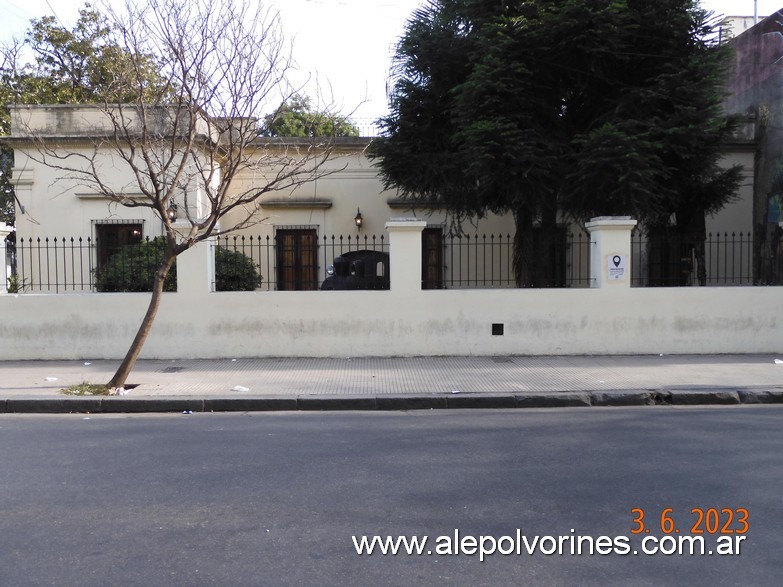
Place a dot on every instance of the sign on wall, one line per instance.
(617, 266)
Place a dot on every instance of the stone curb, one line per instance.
(250, 404)
(698, 398)
(553, 400)
(117, 405)
(761, 397)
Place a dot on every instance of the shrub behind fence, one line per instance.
(265, 253)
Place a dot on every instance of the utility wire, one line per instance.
(54, 13)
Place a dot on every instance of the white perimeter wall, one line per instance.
(352, 324)
(404, 321)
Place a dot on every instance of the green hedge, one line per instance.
(132, 269)
(235, 271)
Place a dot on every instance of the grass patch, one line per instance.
(85, 388)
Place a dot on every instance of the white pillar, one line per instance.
(610, 252)
(4, 232)
(405, 253)
(196, 269)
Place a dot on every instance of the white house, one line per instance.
(314, 221)
(607, 316)
(295, 233)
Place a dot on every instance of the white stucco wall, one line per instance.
(351, 183)
(58, 204)
(388, 323)
(403, 321)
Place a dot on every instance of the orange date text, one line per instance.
(698, 521)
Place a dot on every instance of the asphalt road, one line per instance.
(275, 498)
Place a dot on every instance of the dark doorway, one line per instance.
(297, 258)
(432, 258)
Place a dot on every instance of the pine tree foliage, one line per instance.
(559, 108)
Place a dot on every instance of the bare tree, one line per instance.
(186, 137)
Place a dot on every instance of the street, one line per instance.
(283, 498)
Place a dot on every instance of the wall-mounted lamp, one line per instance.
(358, 219)
(171, 211)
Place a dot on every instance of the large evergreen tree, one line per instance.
(558, 107)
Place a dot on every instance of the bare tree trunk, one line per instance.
(125, 368)
(692, 234)
(701, 260)
(176, 123)
(546, 255)
(701, 253)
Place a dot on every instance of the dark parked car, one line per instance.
(358, 270)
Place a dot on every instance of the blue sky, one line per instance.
(345, 44)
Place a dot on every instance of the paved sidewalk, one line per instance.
(397, 383)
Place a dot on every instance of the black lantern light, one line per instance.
(358, 219)
(171, 211)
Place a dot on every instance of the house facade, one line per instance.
(293, 235)
(413, 318)
(63, 225)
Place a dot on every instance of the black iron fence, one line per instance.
(473, 261)
(298, 259)
(481, 261)
(664, 258)
(295, 259)
(78, 264)
(55, 265)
